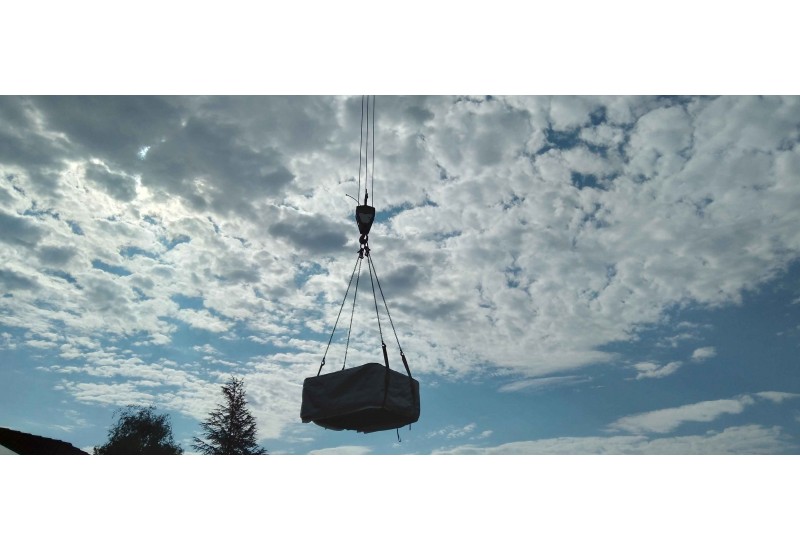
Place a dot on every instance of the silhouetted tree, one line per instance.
(140, 431)
(230, 428)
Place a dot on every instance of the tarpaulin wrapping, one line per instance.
(368, 398)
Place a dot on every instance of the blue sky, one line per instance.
(567, 274)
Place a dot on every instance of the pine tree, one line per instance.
(230, 428)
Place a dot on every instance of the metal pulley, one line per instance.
(365, 215)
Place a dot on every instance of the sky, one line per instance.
(566, 274)
(274, 170)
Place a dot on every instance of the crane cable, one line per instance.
(360, 147)
(366, 155)
(373, 151)
(363, 155)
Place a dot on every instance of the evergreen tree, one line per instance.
(140, 431)
(230, 428)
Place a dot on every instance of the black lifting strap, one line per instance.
(377, 315)
(352, 311)
(402, 355)
(322, 364)
(383, 345)
(380, 331)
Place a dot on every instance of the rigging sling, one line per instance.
(371, 397)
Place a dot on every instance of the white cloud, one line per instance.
(570, 111)
(777, 396)
(604, 135)
(652, 370)
(701, 354)
(540, 383)
(452, 432)
(75, 421)
(107, 394)
(749, 439)
(658, 143)
(202, 319)
(42, 344)
(274, 391)
(666, 420)
(7, 341)
(206, 348)
(675, 340)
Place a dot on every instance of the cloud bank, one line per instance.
(522, 234)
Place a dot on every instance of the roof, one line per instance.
(22, 443)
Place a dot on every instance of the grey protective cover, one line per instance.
(368, 398)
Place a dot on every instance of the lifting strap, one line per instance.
(365, 251)
(385, 305)
(352, 311)
(322, 364)
(364, 217)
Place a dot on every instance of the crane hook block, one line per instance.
(365, 215)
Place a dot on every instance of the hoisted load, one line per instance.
(370, 397)
(367, 398)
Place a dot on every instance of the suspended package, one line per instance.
(368, 398)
